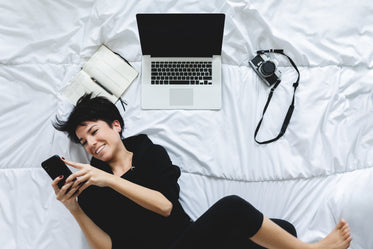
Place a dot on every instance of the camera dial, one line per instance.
(267, 68)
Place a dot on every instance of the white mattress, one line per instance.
(319, 172)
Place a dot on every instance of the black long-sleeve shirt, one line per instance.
(129, 225)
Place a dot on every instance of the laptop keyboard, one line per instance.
(181, 73)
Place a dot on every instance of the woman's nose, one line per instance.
(91, 141)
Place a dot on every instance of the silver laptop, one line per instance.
(181, 63)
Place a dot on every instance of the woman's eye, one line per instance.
(94, 132)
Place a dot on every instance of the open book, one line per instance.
(105, 74)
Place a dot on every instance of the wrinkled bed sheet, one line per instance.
(319, 172)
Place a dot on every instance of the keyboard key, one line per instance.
(179, 82)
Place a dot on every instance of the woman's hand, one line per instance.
(86, 176)
(67, 194)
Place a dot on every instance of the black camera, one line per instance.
(266, 69)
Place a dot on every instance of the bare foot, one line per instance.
(339, 238)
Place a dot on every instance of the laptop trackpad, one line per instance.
(181, 96)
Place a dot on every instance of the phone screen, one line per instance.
(55, 167)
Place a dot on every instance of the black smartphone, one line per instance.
(55, 167)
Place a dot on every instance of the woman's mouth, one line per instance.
(100, 149)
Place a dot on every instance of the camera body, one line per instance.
(266, 69)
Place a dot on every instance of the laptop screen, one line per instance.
(181, 35)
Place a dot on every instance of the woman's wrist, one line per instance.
(110, 180)
(76, 210)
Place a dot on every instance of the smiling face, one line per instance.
(100, 140)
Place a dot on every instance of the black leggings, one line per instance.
(229, 224)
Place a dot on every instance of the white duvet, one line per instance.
(318, 172)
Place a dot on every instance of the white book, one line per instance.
(105, 74)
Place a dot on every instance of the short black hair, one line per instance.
(88, 108)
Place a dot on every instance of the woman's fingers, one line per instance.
(83, 169)
(73, 192)
(81, 180)
(84, 185)
(64, 188)
(62, 194)
(73, 164)
(75, 175)
(55, 182)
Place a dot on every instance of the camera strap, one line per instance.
(291, 107)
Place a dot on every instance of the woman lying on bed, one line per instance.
(128, 196)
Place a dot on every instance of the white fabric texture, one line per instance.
(319, 172)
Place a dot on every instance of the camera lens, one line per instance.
(267, 68)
